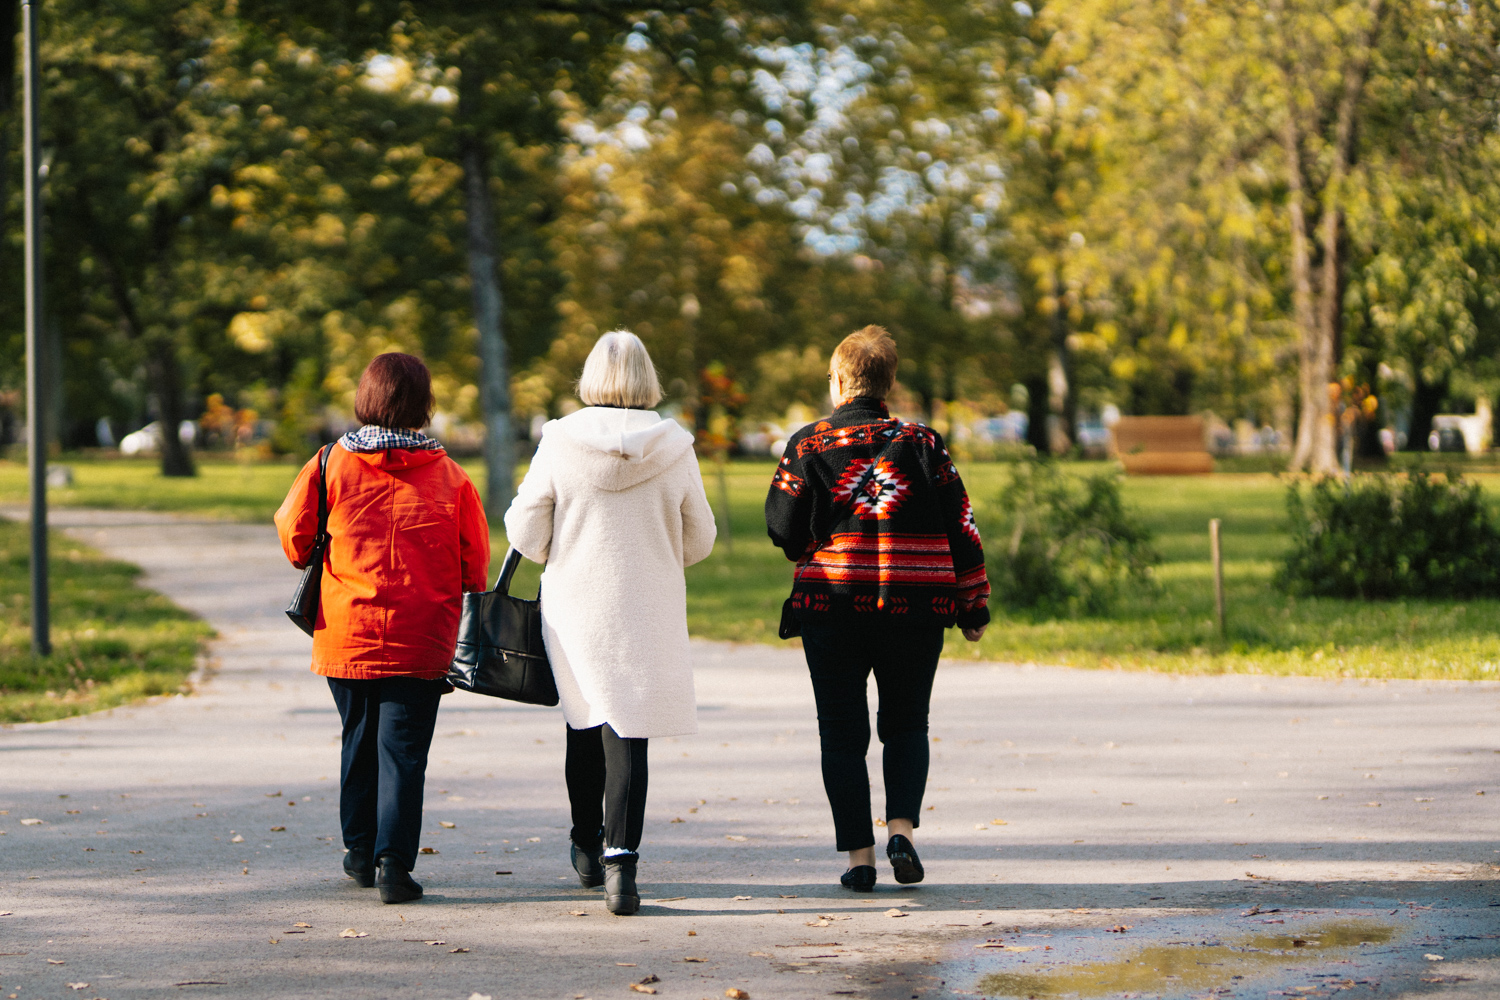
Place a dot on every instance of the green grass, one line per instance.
(113, 641)
(737, 596)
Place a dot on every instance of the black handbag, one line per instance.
(303, 611)
(500, 651)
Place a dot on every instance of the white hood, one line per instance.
(617, 449)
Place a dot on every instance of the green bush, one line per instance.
(1062, 545)
(1383, 537)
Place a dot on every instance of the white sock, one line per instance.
(615, 852)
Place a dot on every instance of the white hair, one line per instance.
(619, 372)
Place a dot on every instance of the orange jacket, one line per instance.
(408, 538)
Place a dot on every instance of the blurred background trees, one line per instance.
(1059, 209)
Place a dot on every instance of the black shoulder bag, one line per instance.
(500, 651)
(303, 611)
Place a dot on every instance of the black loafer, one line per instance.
(589, 865)
(903, 858)
(860, 879)
(621, 896)
(395, 883)
(359, 866)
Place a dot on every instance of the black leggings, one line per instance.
(606, 776)
(840, 658)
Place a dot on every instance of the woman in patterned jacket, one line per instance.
(875, 516)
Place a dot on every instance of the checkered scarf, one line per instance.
(371, 437)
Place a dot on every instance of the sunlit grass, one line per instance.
(737, 596)
(113, 641)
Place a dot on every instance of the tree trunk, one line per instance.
(1314, 446)
(1062, 396)
(1426, 397)
(1036, 413)
(489, 303)
(165, 374)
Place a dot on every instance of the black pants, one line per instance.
(840, 657)
(606, 776)
(387, 730)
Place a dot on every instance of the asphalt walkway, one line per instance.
(190, 845)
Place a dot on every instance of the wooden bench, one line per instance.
(1161, 446)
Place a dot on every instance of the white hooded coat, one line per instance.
(614, 505)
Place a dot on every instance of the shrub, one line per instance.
(1381, 537)
(1063, 545)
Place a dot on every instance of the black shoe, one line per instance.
(359, 867)
(589, 865)
(395, 882)
(903, 858)
(620, 894)
(860, 879)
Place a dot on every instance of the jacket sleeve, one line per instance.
(297, 519)
(473, 539)
(528, 523)
(698, 528)
(973, 594)
(789, 506)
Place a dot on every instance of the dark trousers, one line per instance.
(387, 730)
(606, 776)
(840, 657)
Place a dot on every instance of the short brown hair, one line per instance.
(866, 363)
(395, 391)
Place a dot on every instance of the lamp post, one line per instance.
(36, 437)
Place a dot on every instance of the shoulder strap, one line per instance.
(323, 493)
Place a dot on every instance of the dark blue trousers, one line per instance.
(841, 655)
(387, 730)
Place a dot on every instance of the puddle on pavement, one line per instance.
(1305, 952)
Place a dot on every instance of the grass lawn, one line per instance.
(113, 641)
(737, 595)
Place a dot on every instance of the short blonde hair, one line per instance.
(619, 372)
(866, 363)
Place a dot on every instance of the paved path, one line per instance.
(161, 859)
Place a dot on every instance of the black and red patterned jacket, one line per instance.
(876, 518)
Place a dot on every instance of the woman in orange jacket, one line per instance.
(407, 538)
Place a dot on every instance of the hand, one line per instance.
(974, 634)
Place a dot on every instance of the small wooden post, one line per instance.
(1218, 560)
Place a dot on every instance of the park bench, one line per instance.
(1161, 446)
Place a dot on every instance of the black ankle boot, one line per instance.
(395, 882)
(860, 878)
(904, 860)
(359, 866)
(588, 864)
(620, 893)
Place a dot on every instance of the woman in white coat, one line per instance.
(614, 505)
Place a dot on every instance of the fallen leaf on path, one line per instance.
(998, 822)
(1230, 802)
(893, 912)
(678, 819)
(447, 825)
(505, 873)
(578, 913)
(880, 822)
(428, 850)
(480, 996)
(833, 916)
(742, 898)
(55, 961)
(274, 940)
(237, 839)
(734, 994)
(652, 978)
(980, 826)
(692, 933)
(137, 852)
(642, 989)
(278, 829)
(1372, 805)
(1433, 958)
(693, 958)
(533, 840)
(273, 795)
(458, 951)
(626, 965)
(1117, 929)
(1081, 910)
(74, 812)
(301, 923)
(78, 986)
(31, 822)
(818, 923)
(1422, 798)
(7, 913)
(737, 838)
(350, 932)
(786, 897)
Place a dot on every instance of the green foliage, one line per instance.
(113, 641)
(1061, 545)
(1383, 537)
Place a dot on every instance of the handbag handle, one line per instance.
(508, 569)
(322, 538)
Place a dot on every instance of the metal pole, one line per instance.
(36, 412)
(1218, 559)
